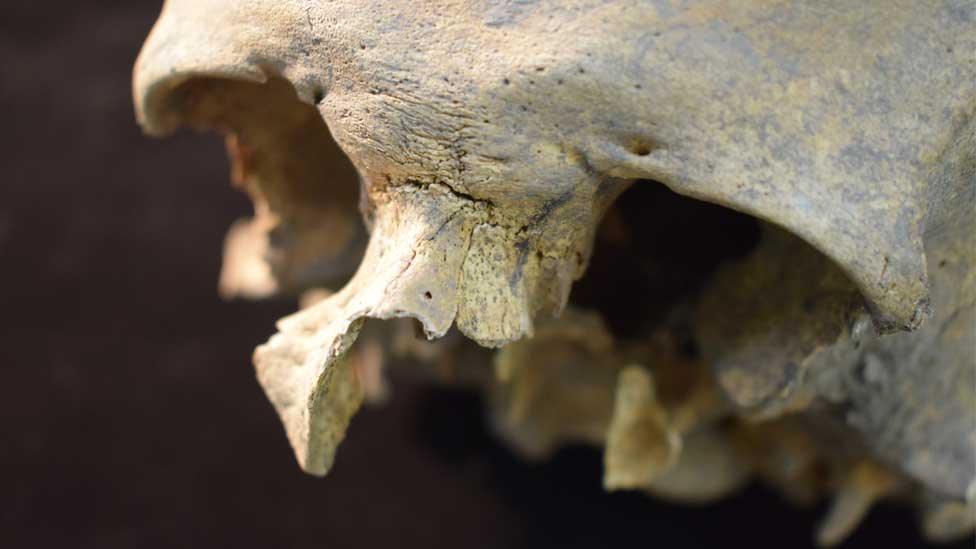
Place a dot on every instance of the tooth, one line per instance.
(866, 483)
(641, 444)
(709, 468)
(557, 386)
(783, 454)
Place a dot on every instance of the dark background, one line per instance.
(129, 412)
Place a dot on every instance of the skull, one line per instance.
(489, 138)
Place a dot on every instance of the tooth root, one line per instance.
(866, 484)
(640, 442)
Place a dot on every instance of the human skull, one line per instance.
(490, 137)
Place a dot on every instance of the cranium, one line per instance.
(490, 137)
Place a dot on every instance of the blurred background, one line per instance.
(129, 412)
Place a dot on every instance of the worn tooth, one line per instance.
(709, 468)
(557, 386)
(865, 484)
(641, 443)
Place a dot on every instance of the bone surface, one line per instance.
(459, 164)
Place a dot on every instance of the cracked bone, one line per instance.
(486, 153)
(760, 124)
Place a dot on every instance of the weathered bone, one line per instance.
(488, 139)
